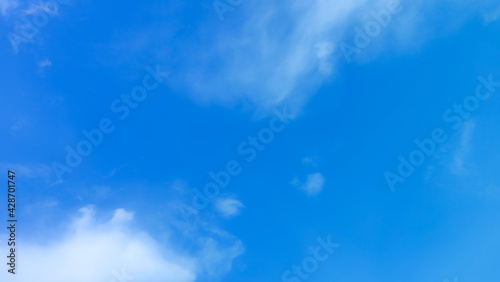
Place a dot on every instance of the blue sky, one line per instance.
(252, 140)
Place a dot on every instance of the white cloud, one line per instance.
(311, 161)
(216, 259)
(20, 123)
(49, 7)
(461, 154)
(26, 28)
(92, 250)
(324, 51)
(33, 170)
(314, 184)
(229, 207)
(269, 52)
(266, 63)
(6, 5)
(42, 65)
(122, 216)
(45, 63)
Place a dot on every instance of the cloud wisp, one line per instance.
(312, 186)
(229, 207)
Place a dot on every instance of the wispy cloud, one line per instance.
(313, 184)
(28, 20)
(42, 65)
(324, 53)
(115, 170)
(275, 53)
(492, 15)
(48, 7)
(32, 170)
(460, 156)
(229, 207)
(20, 123)
(216, 259)
(45, 63)
(121, 216)
(312, 160)
(6, 5)
(266, 63)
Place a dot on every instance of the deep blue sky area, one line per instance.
(251, 140)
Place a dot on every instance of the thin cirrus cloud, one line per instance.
(269, 53)
(277, 52)
(112, 251)
(274, 54)
(455, 156)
